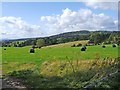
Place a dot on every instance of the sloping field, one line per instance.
(59, 66)
(69, 44)
(74, 53)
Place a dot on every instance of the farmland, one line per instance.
(60, 45)
(69, 63)
(12, 54)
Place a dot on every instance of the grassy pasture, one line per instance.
(57, 53)
(13, 57)
(59, 65)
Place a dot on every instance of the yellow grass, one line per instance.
(16, 66)
(69, 44)
(61, 68)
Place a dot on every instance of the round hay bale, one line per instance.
(32, 50)
(113, 45)
(103, 46)
(39, 47)
(83, 48)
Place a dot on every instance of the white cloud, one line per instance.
(83, 19)
(102, 5)
(15, 27)
(78, 20)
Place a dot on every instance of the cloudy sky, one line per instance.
(39, 19)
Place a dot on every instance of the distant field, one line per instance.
(69, 44)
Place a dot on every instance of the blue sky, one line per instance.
(32, 11)
(34, 19)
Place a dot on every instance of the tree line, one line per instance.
(95, 37)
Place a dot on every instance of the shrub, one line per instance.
(9, 46)
(107, 42)
(86, 44)
(21, 73)
(79, 45)
(73, 45)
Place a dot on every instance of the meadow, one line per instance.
(59, 65)
(57, 53)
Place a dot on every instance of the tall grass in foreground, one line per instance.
(66, 74)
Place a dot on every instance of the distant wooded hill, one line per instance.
(95, 37)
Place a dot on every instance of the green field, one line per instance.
(59, 66)
(22, 54)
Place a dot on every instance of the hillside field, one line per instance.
(59, 66)
(19, 54)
